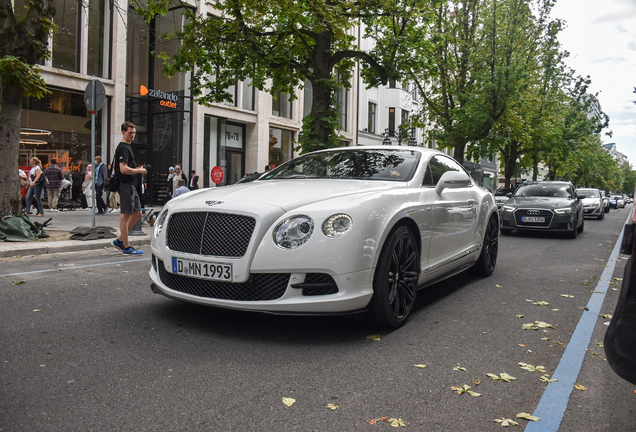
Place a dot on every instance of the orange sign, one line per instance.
(168, 100)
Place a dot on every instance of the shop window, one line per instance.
(281, 105)
(280, 146)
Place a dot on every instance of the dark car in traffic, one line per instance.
(544, 206)
(620, 338)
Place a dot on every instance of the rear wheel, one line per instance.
(487, 260)
(395, 279)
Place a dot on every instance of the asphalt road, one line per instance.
(88, 347)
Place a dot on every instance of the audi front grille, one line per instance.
(209, 233)
(546, 214)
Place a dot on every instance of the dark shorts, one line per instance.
(128, 199)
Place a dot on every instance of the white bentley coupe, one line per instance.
(334, 231)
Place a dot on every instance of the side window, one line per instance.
(428, 177)
(440, 164)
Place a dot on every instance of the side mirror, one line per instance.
(580, 196)
(452, 180)
(509, 194)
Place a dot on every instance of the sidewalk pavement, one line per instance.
(60, 226)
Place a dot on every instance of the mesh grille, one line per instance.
(265, 286)
(207, 233)
(547, 214)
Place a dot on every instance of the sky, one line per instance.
(600, 36)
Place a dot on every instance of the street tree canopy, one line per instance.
(293, 43)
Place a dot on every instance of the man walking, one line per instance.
(100, 177)
(55, 176)
(127, 172)
(194, 180)
(181, 189)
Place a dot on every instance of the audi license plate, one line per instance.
(204, 270)
(534, 219)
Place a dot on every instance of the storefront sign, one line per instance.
(216, 175)
(233, 136)
(168, 100)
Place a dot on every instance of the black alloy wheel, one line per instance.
(396, 279)
(575, 231)
(485, 264)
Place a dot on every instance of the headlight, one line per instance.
(564, 210)
(293, 232)
(337, 225)
(508, 208)
(159, 223)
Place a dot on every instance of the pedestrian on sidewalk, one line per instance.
(194, 180)
(55, 176)
(181, 189)
(101, 172)
(87, 188)
(36, 186)
(127, 172)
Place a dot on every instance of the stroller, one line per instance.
(65, 202)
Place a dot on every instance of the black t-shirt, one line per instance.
(124, 153)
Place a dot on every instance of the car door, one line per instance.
(454, 216)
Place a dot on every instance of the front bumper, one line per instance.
(512, 220)
(594, 211)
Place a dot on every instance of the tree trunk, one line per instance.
(11, 100)
(510, 162)
(459, 149)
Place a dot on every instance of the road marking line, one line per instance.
(556, 397)
(75, 267)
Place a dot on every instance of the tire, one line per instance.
(487, 260)
(601, 216)
(575, 231)
(580, 229)
(607, 209)
(395, 279)
(505, 231)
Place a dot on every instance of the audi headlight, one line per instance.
(564, 210)
(293, 232)
(507, 208)
(337, 225)
(161, 220)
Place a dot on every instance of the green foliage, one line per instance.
(15, 72)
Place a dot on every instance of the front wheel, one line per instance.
(582, 226)
(487, 260)
(601, 216)
(395, 279)
(572, 234)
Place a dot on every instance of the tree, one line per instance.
(482, 50)
(23, 42)
(290, 42)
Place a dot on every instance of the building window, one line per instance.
(232, 91)
(392, 121)
(98, 57)
(342, 100)
(372, 114)
(281, 105)
(248, 95)
(280, 146)
(307, 98)
(414, 92)
(66, 40)
(405, 117)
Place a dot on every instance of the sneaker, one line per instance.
(118, 244)
(51, 210)
(57, 210)
(132, 251)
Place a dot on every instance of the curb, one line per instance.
(11, 249)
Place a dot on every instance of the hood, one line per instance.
(284, 194)
(540, 202)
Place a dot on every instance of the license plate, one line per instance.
(532, 219)
(203, 270)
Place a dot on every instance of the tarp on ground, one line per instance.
(20, 229)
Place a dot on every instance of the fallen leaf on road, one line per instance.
(560, 343)
(18, 282)
(556, 310)
(498, 286)
(374, 421)
(397, 422)
(421, 366)
(528, 416)
(459, 368)
(37, 310)
(519, 316)
(567, 295)
(600, 344)
(545, 338)
(501, 377)
(579, 387)
(606, 316)
(531, 368)
(125, 271)
(541, 303)
(289, 401)
(332, 407)
(476, 381)
(584, 308)
(546, 378)
(374, 337)
(506, 422)
(521, 344)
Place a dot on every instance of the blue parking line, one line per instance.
(75, 267)
(554, 401)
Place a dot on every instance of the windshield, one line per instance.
(371, 164)
(502, 192)
(589, 193)
(544, 190)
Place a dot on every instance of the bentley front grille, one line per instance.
(259, 287)
(208, 233)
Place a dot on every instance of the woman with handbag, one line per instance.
(87, 186)
(36, 185)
